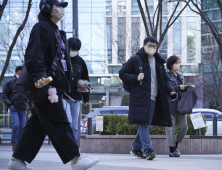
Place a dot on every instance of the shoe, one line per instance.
(18, 165)
(177, 150)
(150, 155)
(138, 154)
(84, 163)
(13, 147)
(174, 154)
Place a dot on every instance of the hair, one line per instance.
(18, 68)
(150, 39)
(171, 61)
(42, 15)
(74, 44)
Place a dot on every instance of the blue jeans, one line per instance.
(143, 134)
(18, 118)
(72, 110)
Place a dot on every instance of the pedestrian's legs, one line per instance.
(66, 105)
(75, 109)
(143, 135)
(15, 125)
(137, 144)
(170, 133)
(181, 121)
(22, 119)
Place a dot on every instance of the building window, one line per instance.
(121, 7)
(135, 35)
(108, 7)
(109, 39)
(177, 37)
(121, 40)
(114, 69)
(135, 8)
(150, 6)
(191, 42)
(164, 44)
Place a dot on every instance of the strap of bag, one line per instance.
(173, 77)
(54, 63)
(139, 61)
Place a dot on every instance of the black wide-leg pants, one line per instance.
(47, 119)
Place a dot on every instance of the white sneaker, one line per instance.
(18, 165)
(84, 163)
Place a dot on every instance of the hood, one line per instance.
(144, 56)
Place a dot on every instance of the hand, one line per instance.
(140, 76)
(192, 86)
(182, 87)
(172, 93)
(85, 103)
(41, 82)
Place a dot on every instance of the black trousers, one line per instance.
(47, 119)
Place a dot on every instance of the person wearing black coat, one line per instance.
(17, 105)
(80, 71)
(148, 103)
(178, 119)
(49, 118)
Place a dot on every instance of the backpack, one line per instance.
(128, 86)
(187, 101)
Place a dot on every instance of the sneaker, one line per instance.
(84, 163)
(174, 154)
(18, 165)
(177, 151)
(13, 147)
(150, 155)
(138, 154)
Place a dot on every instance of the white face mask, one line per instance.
(149, 51)
(74, 53)
(60, 13)
(17, 76)
(176, 67)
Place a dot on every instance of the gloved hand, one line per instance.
(52, 95)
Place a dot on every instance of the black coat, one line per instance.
(40, 53)
(11, 98)
(139, 99)
(80, 72)
(180, 81)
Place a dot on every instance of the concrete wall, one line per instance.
(122, 144)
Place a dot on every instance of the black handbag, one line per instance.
(187, 101)
(25, 85)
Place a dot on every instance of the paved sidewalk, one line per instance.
(47, 159)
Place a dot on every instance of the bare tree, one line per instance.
(202, 10)
(213, 74)
(10, 49)
(155, 23)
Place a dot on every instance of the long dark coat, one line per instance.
(139, 100)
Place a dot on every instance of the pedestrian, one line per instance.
(17, 105)
(49, 118)
(80, 72)
(147, 102)
(178, 119)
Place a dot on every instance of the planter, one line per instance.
(122, 144)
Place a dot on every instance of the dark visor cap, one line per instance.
(63, 4)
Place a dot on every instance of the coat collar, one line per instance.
(144, 56)
(179, 74)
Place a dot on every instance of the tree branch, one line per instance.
(21, 27)
(148, 14)
(2, 7)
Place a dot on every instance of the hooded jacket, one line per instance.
(140, 95)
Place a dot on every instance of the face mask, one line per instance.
(17, 76)
(61, 12)
(176, 67)
(74, 53)
(149, 51)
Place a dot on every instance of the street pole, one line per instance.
(107, 86)
(76, 35)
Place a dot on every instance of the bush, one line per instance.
(119, 125)
(125, 100)
(1, 121)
